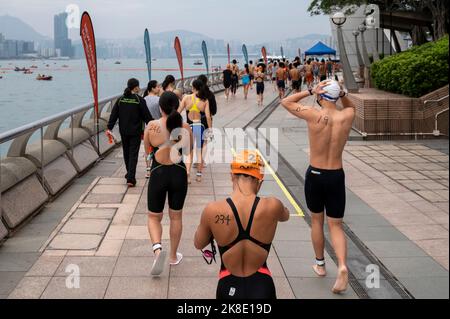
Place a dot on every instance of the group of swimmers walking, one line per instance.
(244, 225)
(249, 75)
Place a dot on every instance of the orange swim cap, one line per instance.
(250, 163)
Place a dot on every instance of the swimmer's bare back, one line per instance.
(328, 128)
(157, 135)
(245, 258)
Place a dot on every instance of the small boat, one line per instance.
(154, 60)
(44, 78)
(198, 62)
(65, 66)
(17, 69)
(118, 62)
(1, 77)
(33, 67)
(28, 72)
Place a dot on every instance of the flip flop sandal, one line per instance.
(179, 260)
(199, 177)
(160, 261)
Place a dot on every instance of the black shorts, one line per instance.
(167, 181)
(325, 192)
(259, 286)
(259, 88)
(281, 84)
(227, 84)
(296, 85)
(252, 77)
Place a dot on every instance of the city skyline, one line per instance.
(247, 22)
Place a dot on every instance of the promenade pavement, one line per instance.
(99, 226)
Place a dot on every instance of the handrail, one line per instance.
(28, 128)
(435, 101)
(436, 123)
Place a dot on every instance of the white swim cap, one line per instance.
(333, 91)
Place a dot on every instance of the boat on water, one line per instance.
(154, 60)
(198, 62)
(65, 66)
(44, 78)
(118, 62)
(1, 77)
(28, 72)
(17, 69)
(33, 67)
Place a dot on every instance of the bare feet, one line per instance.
(175, 261)
(320, 271)
(342, 281)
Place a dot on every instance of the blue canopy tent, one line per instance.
(320, 49)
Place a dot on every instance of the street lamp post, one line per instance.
(339, 19)
(358, 54)
(371, 23)
(362, 28)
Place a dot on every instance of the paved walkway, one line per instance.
(105, 235)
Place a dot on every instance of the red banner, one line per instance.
(264, 54)
(179, 56)
(229, 53)
(88, 39)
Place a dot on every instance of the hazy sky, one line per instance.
(252, 21)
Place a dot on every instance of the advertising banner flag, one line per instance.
(264, 54)
(179, 52)
(245, 51)
(205, 55)
(88, 39)
(148, 53)
(229, 53)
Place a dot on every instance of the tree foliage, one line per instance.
(415, 72)
(438, 9)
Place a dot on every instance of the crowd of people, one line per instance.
(174, 128)
(282, 73)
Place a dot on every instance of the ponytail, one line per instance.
(202, 90)
(174, 122)
(169, 104)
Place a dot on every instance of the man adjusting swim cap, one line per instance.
(332, 91)
(325, 192)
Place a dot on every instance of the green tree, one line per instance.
(438, 9)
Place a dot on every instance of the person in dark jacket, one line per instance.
(131, 111)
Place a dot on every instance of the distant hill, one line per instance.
(15, 29)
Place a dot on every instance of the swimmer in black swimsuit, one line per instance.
(165, 139)
(227, 80)
(244, 227)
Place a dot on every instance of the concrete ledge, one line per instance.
(52, 150)
(79, 136)
(89, 125)
(14, 170)
(58, 174)
(3, 230)
(84, 155)
(22, 200)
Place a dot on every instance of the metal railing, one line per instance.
(437, 132)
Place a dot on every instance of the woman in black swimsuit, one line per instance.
(167, 139)
(227, 80)
(244, 227)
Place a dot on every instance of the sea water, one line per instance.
(23, 99)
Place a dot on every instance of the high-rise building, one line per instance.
(61, 35)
